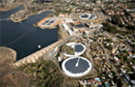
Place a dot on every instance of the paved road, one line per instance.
(88, 52)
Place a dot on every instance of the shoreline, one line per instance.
(19, 20)
(26, 16)
(9, 7)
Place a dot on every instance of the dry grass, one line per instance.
(12, 77)
(68, 49)
(71, 83)
(7, 54)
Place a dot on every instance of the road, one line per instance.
(88, 52)
(67, 28)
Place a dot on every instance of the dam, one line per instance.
(35, 56)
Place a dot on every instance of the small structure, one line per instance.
(62, 15)
(116, 59)
(98, 1)
(95, 81)
(96, 25)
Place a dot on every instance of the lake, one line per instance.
(23, 37)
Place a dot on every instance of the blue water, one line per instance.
(10, 31)
(107, 84)
(97, 79)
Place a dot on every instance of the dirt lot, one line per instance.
(10, 76)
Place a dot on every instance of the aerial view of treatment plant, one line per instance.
(67, 43)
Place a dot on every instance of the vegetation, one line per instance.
(73, 5)
(129, 26)
(30, 71)
(57, 13)
(109, 28)
(113, 29)
(70, 10)
(46, 74)
(119, 82)
(116, 20)
(67, 49)
(108, 40)
(110, 47)
(84, 55)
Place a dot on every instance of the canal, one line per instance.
(23, 37)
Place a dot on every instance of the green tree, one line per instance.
(108, 40)
(70, 10)
(110, 47)
(119, 82)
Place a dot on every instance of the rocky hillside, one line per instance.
(9, 75)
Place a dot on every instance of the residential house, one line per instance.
(116, 59)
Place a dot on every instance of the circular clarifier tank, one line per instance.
(76, 66)
(87, 16)
(79, 48)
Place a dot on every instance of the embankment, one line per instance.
(35, 56)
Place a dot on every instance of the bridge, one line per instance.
(4, 19)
